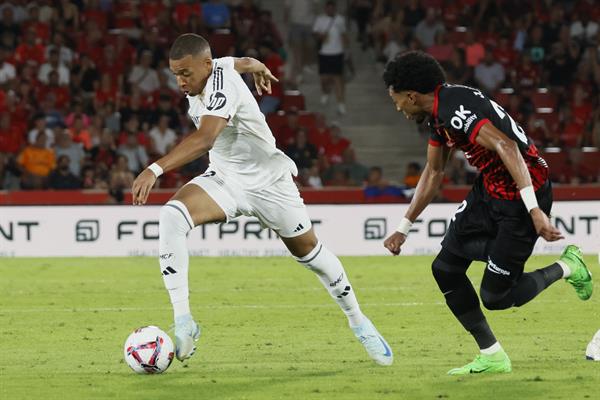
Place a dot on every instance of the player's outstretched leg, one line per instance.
(174, 224)
(580, 276)
(331, 273)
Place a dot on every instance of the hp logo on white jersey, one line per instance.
(216, 102)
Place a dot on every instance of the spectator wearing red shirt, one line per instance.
(504, 54)
(474, 50)
(269, 103)
(112, 65)
(337, 145)
(286, 134)
(42, 30)
(184, 10)
(527, 75)
(30, 51)
(107, 91)
(12, 136)
(571, 133)
(93, 12)
(320, 134)
(62, 95)
(441, 50)
(581, 108)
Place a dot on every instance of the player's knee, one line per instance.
(172, 219)
(447, 273)
(495, 301)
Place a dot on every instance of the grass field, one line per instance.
(270, 331)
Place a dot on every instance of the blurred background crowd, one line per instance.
(87, 100)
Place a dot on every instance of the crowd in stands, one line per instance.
(540, 60)
(87, 99)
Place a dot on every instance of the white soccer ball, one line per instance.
(148, 350)
(593, 348)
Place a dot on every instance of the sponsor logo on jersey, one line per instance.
(460, 116)
(216, 101)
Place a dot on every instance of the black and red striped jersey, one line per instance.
(459, 112)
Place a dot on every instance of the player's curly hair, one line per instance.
(413, 70)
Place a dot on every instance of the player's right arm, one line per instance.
(427, 188)
(193, 146)
(261, 74)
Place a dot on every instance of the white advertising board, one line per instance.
(96, 231)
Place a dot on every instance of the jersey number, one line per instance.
(517, 130)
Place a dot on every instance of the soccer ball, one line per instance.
(148, 350)
(593, 348)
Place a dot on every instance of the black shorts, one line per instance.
(486, 228)
(331, 65)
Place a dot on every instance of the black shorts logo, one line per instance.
(216, 101)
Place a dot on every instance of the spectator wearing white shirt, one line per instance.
(489, 74)
(54, 64)
(7, 70)
(143, 75)
(163, 137)
(299, 16)
(39, 126)
(330, 30)
(427, 29)
(65, 54)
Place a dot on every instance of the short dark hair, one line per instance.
(414, 70)
(186, 45)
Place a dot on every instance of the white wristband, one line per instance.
(528, 197)
(156, 169)
(404, 226)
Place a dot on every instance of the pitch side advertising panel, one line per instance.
(97, 231)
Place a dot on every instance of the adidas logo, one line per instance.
(299, 228)
(345, 292)
(169, 271)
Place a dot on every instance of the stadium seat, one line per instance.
(457, 37)
(589, 164)
(292, 99)
(276, 120)
(557, 160)
(543, 101)
(307, 119)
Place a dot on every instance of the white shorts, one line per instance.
(278, 206)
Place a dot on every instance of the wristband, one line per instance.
(156, 169)
(404, 226)
(528, 197)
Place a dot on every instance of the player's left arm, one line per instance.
(493, 139)
(261, 74)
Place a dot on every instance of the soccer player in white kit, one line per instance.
(247, 175)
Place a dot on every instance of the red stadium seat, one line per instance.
(221, 42)
(276, 120)
(558, 162)
(589, 165)
(543, 101)
(292, 99)
(307, 120)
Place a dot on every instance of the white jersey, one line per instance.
(245, 149)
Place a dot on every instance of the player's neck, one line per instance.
(203, 85)
(426, 102)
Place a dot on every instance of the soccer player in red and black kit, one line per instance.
(501, 218)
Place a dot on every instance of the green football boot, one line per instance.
(485, 364)
(581, 277)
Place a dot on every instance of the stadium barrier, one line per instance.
(98, 231)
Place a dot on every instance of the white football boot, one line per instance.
(379, 350)
(187, 332)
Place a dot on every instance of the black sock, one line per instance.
(533, 283)
(478, 327)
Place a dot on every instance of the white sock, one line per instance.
(565, 268)
(331, 273)
(492, 349)
(174, 224)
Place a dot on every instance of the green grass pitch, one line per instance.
(270, 331)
